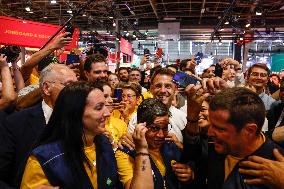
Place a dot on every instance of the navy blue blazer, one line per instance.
(18, 133)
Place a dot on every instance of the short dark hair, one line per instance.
(93, 59)
(123, 68)
(244, 107)
(276, 76)
(258, 65)
(183, 64)
(162, 71)
(134, 69)
(149, 109)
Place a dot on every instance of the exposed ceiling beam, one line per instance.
(154, 7)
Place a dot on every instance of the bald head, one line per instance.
(53, 79)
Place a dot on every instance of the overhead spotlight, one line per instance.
(69, 11)
(28, 9)
(247, 25)
(258, 13)
(110, 17)
(227, 22)
(84, 14)
(53, 2)
(113, 24)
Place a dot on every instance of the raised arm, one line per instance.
(8, 93)
(59, 42)
(142, 168)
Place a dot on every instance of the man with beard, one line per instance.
(123, 74)
(95, 68)
(258, 78)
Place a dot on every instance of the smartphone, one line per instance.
(183, 79)
(218, 70)
(69, 28)
(146, 51)
(117, 95)
(72, 58)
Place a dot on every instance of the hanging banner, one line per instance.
(27, 33)
(125, 46)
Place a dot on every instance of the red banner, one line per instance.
(125, 46)
(29, 34)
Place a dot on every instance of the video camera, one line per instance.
(12, 52)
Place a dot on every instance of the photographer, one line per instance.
(8, 93)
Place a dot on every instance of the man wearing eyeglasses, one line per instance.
(258, 78)
(20, 130)
(95, 68)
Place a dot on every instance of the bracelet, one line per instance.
(192, 121)
(141, 154)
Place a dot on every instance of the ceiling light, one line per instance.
(113, 24)
(110, 17)
(53, 1)
(227, 22)
(241, 38)
(69, 11)
(84, 14)
(45, 17)
(222, 29)
(247, 25)
(28, 9)
(258, 13)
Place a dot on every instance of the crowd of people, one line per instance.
(61, 126)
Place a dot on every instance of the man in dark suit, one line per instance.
(20, 130)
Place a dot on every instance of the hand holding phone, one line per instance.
(69, 28)
(218, 71)
(183, 80)
(117, 95)
(72, 58)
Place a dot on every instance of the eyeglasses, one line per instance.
(128, 96)
(256, 74)
(155, 129)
